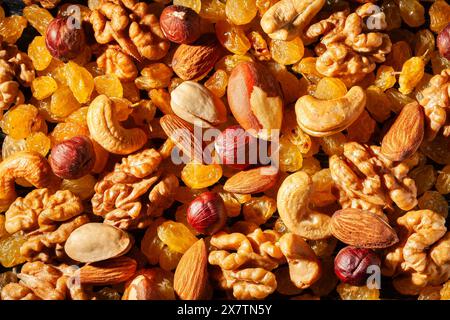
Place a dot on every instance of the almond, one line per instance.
(191, 275)
(108, 272)
(362, 229)
(192, 61)
(405, 135)
(252, 181)
(182, 134)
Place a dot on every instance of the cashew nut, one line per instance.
(30, 166)
(194, 103)
(287, 18)
(321, 118)
(304, 266)
(105, 129)
(293, 206)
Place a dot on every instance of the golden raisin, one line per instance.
(198, 176)
(176, 236)
(38, 142)
(38, 53)
(108, 85)
(43, 87)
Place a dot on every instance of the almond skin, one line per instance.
(252, 181)
(108, 272)
(191, 275)
(362, 229)
(192, 61)
(405, 135)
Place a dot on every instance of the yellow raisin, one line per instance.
(38, 17)
(38, 142)
(176, 236)
(217, 83)
(161, 99)
(168, 259)
(443, 181)
(195, 5)
(349, 292)
(228, 62)
(240, 11)
(378, 104)
(424, 44)
(439, 15)
(67, 130)
(307, 68)
(425, 177)
(259, 210)
(79, 116)
(445, 291)
(10, 146)
(232, 37)
(310, 165)
(385, 77)
(334, 144)
(38, 53)
(290, 157)
(411, 74)
(10, 250)
(19, 122)
(330, 88)
(198, 176)
(108, 85)
(80, 81)
(433, 200)
(287, 52)
(82, 187)
(11, 28)
(213, 10)
(43, 87)
(412, 12)
(63, 102)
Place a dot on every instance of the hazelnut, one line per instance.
(443, 42)
(180, 24)
(233, 145)
(351, 263)
(207, 213)
(73, 158)
(65, 38)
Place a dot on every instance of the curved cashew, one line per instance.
(287, 18)
(293, 206)
(105, 128)
(304, 266)
(27, 165)
(321, 118)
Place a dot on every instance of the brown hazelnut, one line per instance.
(233, 145)
(65, 38)
(351, 263)
(180, 24)
(207, 213)
(73, 158)
(443, 42)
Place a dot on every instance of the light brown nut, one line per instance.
(191, 275)
(105, 129)
(255, 99)
(107, 272)
(304, 266)
(96, 242)
(182, 134)
(150, 284)
(114, 61)
(293, 200)
(321, 118)
(30, 166)
(194, 103)
(250, 283)
(362, 229)
(192, 61)
(286, 19)
(405, 135)
(252, 181)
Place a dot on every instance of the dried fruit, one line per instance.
(352, 265)
(38, 142)
(180, 24)
(290, 156)
(349, 292)
(385, 78)
(259, 210)
(443, 180)
(10, 250)
(73, 158)
(207, 213)
(80, 81)
(109, 85)
(83, 187)
(11, 28)
(195, 5)
(176, 236)
(439, 15)
(38, 17)
(424, 177)
(434, 201)
(19, 122)
(232, 37)
(63, 102)
(198, 176)
(287, 52)
(412, 73)
(39, 54)
(412, 12)
(43, 87)
(330, 88)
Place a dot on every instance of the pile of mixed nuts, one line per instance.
(210, 149)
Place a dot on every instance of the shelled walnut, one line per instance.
(16, 69)
(131, 24)
(48, 219)
(350, 48)
(368, 180)
(135, 192)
